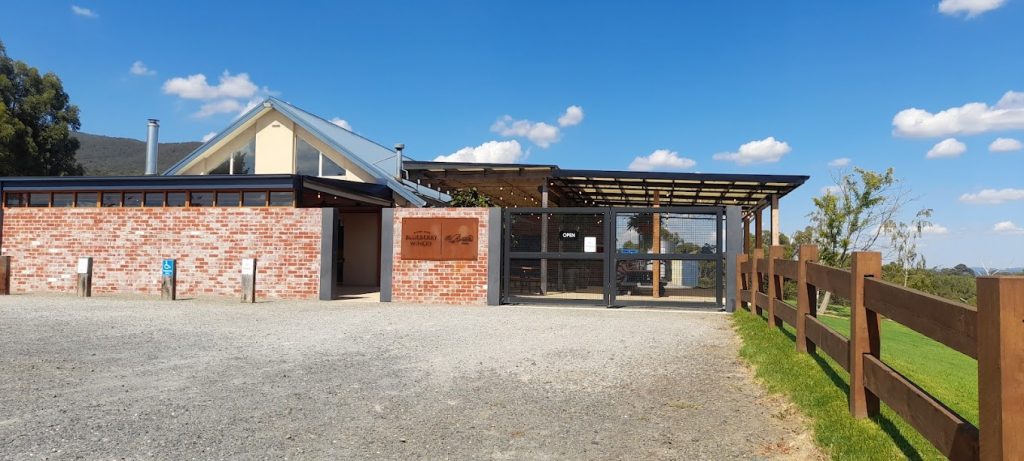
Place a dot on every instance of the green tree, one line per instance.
(853, 216)
(469, 198)
(36, 121)
(903, 242)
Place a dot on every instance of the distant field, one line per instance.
(819, 386)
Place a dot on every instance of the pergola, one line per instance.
(525, 185)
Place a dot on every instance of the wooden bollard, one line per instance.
(5, 275)
(806, 295)
(84, 270)
(1001, 367)
(249, 280)
(169, 280)
(865, 336)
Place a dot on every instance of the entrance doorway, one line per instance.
(357, 259)
(650, 257)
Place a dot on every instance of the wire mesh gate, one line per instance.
(614, 256)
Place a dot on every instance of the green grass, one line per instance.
(819, 386)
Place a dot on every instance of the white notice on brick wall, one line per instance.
(83, 265)
(590, 244)
(248, 266)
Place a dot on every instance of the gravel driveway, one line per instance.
(140, 378)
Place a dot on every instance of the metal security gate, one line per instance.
(611, 256)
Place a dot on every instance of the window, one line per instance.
(258, 198)
(329, 168)
(244, 160)
(175, 199)
(133, 199)
(39, 199)
(228, 198)
(201, 199)
(241, 161)
(111, 199)
(154, 199)
(14, 199)
(86, 199)
(281, 198)
(311, 162)
(223, 168)
(63, 199)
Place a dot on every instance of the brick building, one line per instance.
(327, 212)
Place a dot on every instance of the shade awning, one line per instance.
(519, 185)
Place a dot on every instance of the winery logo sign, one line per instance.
(440, 239)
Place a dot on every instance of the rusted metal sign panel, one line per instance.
(439, 239)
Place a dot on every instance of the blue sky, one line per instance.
(804, 83)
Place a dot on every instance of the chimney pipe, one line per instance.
(398, 158)
(151, 146)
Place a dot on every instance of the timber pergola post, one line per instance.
(758, 230)
(775, 220)
(746, 235)
(656, 247)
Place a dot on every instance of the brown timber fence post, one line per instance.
(1001, 367)
(755, 278)
(740, 283)
(775, 252)
(805, 295)
(864, 332)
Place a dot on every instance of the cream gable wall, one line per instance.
(275, 144)
(275, 149)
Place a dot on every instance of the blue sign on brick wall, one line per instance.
(168, 268)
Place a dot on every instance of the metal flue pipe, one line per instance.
(152, 140)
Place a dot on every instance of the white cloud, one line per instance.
(488, 152)
(934, 229)
(948, 147)
(767, 150)
(830, 190)
(225, 97)
(209, 136)
(84, 12)
(1008, 227)
(839, 162)
(342, 123)
(195, 87)
(1005, 145)
(573, 116)
(968, 8)
(138, 68)
(661, 159)
(970, 118)
(539, 133)
(993, 196)
(222, 106)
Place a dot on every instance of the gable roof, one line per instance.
(366, 154)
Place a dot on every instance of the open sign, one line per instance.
(569, 235)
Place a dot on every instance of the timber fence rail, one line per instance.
(992, 333)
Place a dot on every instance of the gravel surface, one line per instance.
(141, 378)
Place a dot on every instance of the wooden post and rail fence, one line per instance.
(992, 333)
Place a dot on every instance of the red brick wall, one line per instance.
(128, 244)
(447, 282)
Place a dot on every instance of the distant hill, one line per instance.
(1010, 270)
(110, 156)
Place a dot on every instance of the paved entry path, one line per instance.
(140, 378)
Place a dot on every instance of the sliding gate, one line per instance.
(614, 256)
